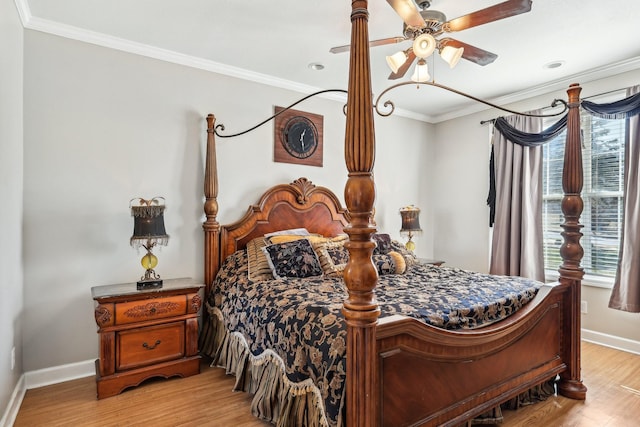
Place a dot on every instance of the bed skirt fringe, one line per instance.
(275, 398)
(282, 402)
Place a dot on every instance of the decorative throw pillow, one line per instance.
(335, 259)
(399, 261)
(321, 246)
(293, 259)
(258, 265)
(409, 256)
(383, 243)
(391, 263)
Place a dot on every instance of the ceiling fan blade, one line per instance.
(372, 43)
(471, 53)
(409, 12)
(489, 14)
(405, 67)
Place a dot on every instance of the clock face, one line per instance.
(300, 137)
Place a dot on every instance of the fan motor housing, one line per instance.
(434, 20)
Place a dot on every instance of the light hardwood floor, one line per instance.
(613, 400)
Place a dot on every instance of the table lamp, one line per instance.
(410, 224)
(148, 231)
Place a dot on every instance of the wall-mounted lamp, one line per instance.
(148, 231)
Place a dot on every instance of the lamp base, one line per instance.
(149, 284)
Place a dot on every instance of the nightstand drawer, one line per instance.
(150, 309)
(150, 345)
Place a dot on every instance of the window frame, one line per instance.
(589, 194)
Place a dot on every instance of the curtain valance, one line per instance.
(530, 139)
(622, 109)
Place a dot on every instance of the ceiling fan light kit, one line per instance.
(421, 72)
(424, 45)
(396, 60)
(451, 55)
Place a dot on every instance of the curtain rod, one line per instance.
(484, 122)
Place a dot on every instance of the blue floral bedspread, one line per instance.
(301, 319)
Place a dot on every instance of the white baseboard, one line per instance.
(612, 341)
(59, 374)
(41, 378)
(13, 407)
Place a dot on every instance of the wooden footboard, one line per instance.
(430, 376)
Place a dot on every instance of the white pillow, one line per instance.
(292, 231)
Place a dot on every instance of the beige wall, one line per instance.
(11, 284)
(103, 126)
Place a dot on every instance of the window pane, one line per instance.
(552, 239)
(605, 172)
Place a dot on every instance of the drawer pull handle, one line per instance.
(151, 347)
(153, 310)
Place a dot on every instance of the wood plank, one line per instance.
(207, 399)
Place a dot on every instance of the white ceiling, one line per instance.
(274, 41)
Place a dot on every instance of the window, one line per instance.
(603, 163)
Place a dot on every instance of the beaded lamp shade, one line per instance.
(410, 224)
(148, 231)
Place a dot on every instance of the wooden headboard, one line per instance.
(285, 206)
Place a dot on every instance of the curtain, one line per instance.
(517, 232)
(626, 289)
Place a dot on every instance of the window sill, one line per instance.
(587, 280)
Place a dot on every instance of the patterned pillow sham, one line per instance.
(293, 259)
(390, 263)
(329, 267)
(334, 259)
(258, 265)
(383, 243)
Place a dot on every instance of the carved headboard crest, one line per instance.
(303, 187)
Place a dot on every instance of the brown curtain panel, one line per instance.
(626, 288)
(516, 247)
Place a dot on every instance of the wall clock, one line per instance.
(297, 137)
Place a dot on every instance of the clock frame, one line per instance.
(288, 124)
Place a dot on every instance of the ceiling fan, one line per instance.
(423, 25)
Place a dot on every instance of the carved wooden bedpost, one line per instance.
(211, 226)
(571, 251)
(360, 309)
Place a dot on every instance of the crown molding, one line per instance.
(559, 84)
(23, 11)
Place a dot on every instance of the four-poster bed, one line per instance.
(400, 371)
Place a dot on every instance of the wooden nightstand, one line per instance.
(435, 262)
(146, 333)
